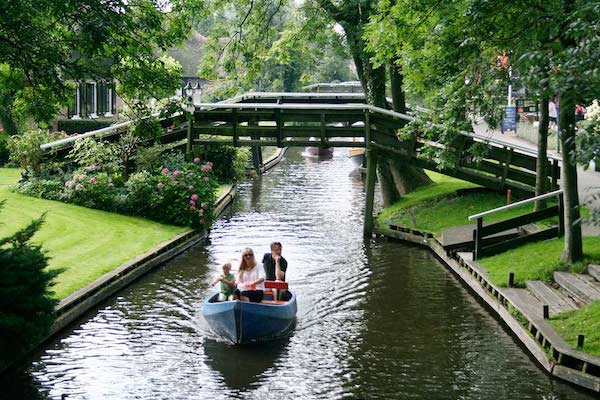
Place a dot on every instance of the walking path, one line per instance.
(588, 181)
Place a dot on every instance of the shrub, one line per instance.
(184, 197)
(26, 303)
(139, 191)
(230, 162)
(91, 189)
(4, 154)
(51, 189)
(71, 126)
(149, 158)
(103, 156)
(25, 149)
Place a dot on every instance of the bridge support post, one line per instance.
(370, 190)
(256, 150)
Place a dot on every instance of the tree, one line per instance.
(449, 50)
(26, 302)
(47, 45)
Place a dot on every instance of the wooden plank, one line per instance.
(525, 302)
(581, 289)
(519, 241)
(594, 271)
(579, 378)
(556, 301)
(519, 221)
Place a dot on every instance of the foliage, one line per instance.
(26, 303)
(184, 197)
(90, 188)
(4, 154)
(149, 158)
(229, 163)
(120, 40)
(25, 149)
(95, 155)
(72, 126)
(51, 189)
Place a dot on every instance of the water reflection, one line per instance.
(242, 366)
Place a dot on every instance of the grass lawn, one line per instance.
(537, 261)
(585, 321)
(435, 207)
(86, 243)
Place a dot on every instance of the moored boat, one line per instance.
(245, 322)
(319, 151)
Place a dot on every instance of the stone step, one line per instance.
(594, 270)
(579, 286)
(557, 302)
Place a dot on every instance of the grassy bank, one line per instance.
(87, 243)
(537, 261)
(436, 206)
(585, 321)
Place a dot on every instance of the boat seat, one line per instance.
(276, 285)
(273, 302)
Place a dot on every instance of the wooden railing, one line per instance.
(484, 246)
(336, 120)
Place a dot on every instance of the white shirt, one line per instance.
(250, 276)
(552, 112)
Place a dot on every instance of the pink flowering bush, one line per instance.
(185, 196)
(90, 189)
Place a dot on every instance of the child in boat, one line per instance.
(227, 280)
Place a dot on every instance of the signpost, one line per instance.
(509, 119)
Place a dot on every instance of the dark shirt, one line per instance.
(269, 266)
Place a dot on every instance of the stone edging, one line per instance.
(274, 160)
(541, 341)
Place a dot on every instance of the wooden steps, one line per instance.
(594, 270)
(578, 285)
(556, 301)
(525, 302)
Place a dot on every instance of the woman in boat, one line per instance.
(250, 278)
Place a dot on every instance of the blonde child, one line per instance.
(227, 280)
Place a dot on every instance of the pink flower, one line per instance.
(79, 187)
(206, 179)
(207, 167)
(192, 203)
(191, 187)
(194, 197)
(201, 212)
(192, 208)
(176, 173)
(165, 171)
(197, 160)
(160, 185)
(69, 184)
(92, 180)
(171, 179)
(91, 167)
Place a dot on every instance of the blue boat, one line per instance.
(245, 322)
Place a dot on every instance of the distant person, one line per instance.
(553, 111)
(250, 278)
(275, 266)
(579, 112)
(227, 280)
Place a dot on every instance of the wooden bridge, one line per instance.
(340, 120)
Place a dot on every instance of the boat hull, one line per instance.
(320, 151)
(244, 322)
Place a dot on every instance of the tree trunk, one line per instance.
(396, 81)
(541, 166)
(573, 247)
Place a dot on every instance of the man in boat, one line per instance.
(275, 266)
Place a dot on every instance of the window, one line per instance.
(93, 100)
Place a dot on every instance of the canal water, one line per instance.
(376, 318)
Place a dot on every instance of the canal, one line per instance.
(376, 319)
